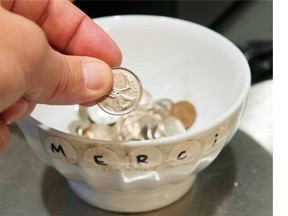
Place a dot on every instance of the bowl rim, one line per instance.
(176, 138)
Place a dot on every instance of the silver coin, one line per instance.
(83, 114)
(146, 98)
(101, 132)
(130, 128)
(165, 103)
(146, 126)
(170, 126)
(157, 112)
(98, 116)
(77, 127)
(125, 95)
(140, 125)
(150, 120)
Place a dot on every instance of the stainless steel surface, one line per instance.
(237, 183)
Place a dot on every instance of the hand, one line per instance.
(52, 53)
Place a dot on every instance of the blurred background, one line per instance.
(248, 24)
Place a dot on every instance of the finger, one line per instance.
(68, 28)
(20, 109)
(4, 136)
(46, 76)
(88, 104)
(70, 80)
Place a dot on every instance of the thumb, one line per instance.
(62, 79)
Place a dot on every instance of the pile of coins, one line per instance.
(150, 120)
(129, 113)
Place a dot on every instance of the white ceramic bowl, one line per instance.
(175, 59)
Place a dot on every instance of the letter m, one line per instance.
(57, 149)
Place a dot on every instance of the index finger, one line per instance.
(68, 28)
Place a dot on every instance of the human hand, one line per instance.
(52, 53)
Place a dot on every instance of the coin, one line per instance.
(83, 114)
(185, 112)
(98, 116)
(130, 127)
(146, 98)
(149, 120)
(77, 127)
(125, 95)
(172, 126)
(99, 131)
(165, 103)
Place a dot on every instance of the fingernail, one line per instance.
(94, 75)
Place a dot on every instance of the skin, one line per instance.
(44, 46)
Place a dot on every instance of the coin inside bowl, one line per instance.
(177, 60)
(189, 63)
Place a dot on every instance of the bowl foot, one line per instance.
(133, 200)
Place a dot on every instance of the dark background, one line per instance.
(248, 24)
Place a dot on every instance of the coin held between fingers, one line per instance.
(125, 95)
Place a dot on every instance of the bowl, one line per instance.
(174, 59)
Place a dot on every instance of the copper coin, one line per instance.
(185, 112)
(125, 95)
